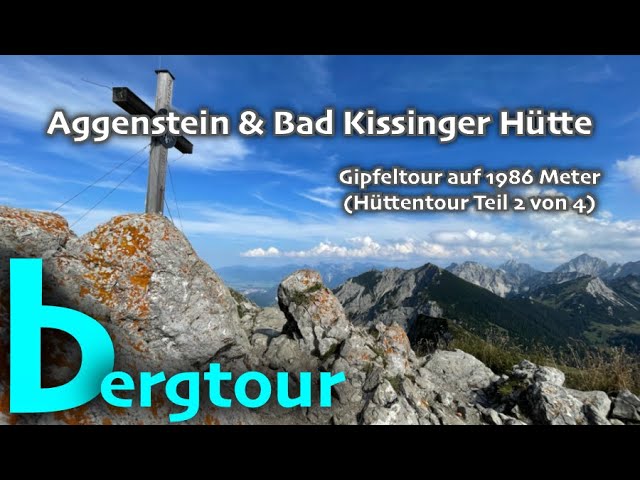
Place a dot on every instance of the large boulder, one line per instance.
(596, 405)
(459, 373)
(141, 276)
(553, 405)
(541, 392)
(626, 407)
(314, 314)
(28, 233)
(164, 308)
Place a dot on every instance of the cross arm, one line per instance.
(134, 105)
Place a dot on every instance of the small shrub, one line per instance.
(609, 369)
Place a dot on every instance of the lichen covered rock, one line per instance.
(314, 314)
(167, 310)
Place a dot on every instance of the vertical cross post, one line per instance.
(159, 153)
(131, 103)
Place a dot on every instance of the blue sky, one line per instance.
(276, 200)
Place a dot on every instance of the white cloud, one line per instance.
(540, 238)
(231, 154)
(367, 247)
(326, 196)
(631, 169)
(261, 252)
(215, 153)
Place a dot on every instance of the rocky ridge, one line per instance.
(497, 281)
(166, 309)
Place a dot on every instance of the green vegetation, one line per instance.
(240, 299)
(482, 311)
(586, 368)
(513, 385)
(302, 298)
(331, 351)
(396, 383)
(574, 298)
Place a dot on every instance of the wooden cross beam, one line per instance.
(131, 103)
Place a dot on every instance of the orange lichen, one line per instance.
(4, 408)
(4, 402)
(84, 291)
(156, 403)
(107, 421)
(48, 222)
(210, 420)
(141, 280)
(120, 239)
(75, 416)
(139, 346)
(115, 410)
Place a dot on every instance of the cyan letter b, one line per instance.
(28, 318)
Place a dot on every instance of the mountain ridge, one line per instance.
(167, 310)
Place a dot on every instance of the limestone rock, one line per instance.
(398, 413)
(626, 407)
(164, 308)
(247, 310)
(396, 349)
(553, 405)
(527, 370)
(459, 373)
(162, 300)
(596, 405)
(265, 326)
(314, 314)
(31, 234)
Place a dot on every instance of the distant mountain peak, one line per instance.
(584, 264)
(496, 281)
(522, 271)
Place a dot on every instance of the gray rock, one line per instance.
(385, 394)
(266, 325)
(396, 349)
(166, 304)
(313, 312)
(447, 416)
(491, 417)
(513, 421)
(552, 405)
(284, 354)
(164, 308)
(445, 398)
(626, 407)
(596, 405)
(398, 413)
(385, 296)
(458, 373)
(615, 421)
(527, 370)
(247, 310)
(497, 281)
(549, 375)
(31, 234)
(417, 398)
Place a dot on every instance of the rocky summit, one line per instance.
(166, 309)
